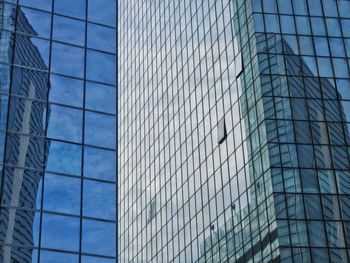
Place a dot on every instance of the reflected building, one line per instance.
(234, 139)
(57, 130)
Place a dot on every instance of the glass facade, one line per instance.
(58, 131)
(233, 131)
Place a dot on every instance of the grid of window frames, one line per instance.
(58, 130)
(277, 188)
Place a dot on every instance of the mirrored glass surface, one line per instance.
(101, 67)
(60, 232)
(68, 30)
(19, 253)
(100, 164)
(100, 129)
(66, 91)
(3, 111)
(100, 97)
(99, 200)
(86, 259)
(67, 60)
(64, 158)
(57, 257)
(62, 194)
(65, 123)
(34, 22)
(102, 12)
(74, 8)
(98, 237)
(39, 4)
(101, 38)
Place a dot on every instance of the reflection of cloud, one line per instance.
(56, 257)
(99, 163)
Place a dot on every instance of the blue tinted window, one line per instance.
(62, 194)
(101, 67)
(68, 30)
(99, 163)
(64, 158)
(57, 257)
(100, 97)
(40, 22)
(99, 200)
(101, 37)
(65, 123)
(100, 129)
(66, 91)
(99, 237)
(67, 60)
(102, 11)
(3, 111)
(86, 259)
(39, 4)
(74, 8)
(60, 232)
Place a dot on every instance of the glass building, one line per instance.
(233, 131)
(58, 131)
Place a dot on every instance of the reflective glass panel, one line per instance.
(98, 237)
(64, 158)
(101, 67)
(99, 163)
(68, 30)
(66, 91)
(102, 12)
(65, 123)
(86, 259)
(60, 232)
(37, 23)
(74, 8)
(62, 194)
(67, 60)
(100, 129)
(39, 4)
(99, 199)
(101, 37)
(100, 97)
(57, 257)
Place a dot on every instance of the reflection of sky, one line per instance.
(62, 194)
(86, 259)
(99, 163)
(60, 232)
(100, 97)
(74, 8)
(64, 158)
(69, 30)
(99, 237)
(100, 67)
(102, 12)
(39, 21)
(100, 37)
(56, 257)
(99, 200)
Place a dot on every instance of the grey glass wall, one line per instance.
(233, 141)
(58, 131)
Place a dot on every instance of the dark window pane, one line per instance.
(66, 91)
(68, 30)
(102, 38)
(100, 129)
(101, 67)
(74, 8)
(99, 163)
(65, 123)
(102, 11)
(67, 60)
(99, 200)
(99, 237)
(64, 158)
(62, 194)
(60, 232)
(100, 97)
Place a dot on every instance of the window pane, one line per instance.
(57, 257)
(66, 91)
(68, 30)
(86, 259)
(40, 4)
(64, 158)
(99, 163)
(102, 11)
(102, 38)
(100, 97)
(99, 237)
(74, 8)
(100, 129)
(65, 123)
(60, 232)
(62, 194)
(67, 60)
(100, 67)
(99, 200)
(40, 22)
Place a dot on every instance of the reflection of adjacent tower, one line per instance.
(26, 117)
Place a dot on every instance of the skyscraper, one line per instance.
(233, 131)
(58, 131)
